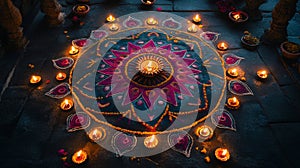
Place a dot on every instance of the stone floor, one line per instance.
(268, 123)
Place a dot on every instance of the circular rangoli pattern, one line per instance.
(143, 79)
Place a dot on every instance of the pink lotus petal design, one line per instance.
(238, 87)
(98, 34)
(210, 36)
(232, 59)
(123, 143)
(78, 121)
(131, 22)
(79, 43)
(59, 91)
(63, 63)
(181, 142)
(171, 23)
(223, 119)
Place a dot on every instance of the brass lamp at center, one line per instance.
(149, 65)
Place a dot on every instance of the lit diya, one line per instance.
(66, 104)
(35, 79)
(151, 21)
(97, 134)
(73, 50)
(197, 18)
(222, 46)
(110, 18)
(114, 27)
(232, 72)
(81, 9)
(192, 29)
(262, 74)
(149, 65)
(222, 154)
(204, 132)
(79, 157)
(233, 103)
(148, 2)
(61, 76)
(151, 141)
(238, 16)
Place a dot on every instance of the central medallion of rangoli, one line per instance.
(152, 76)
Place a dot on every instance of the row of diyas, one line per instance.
(152, 21)
(233, 102)
(95, 134)
(234, 72)
(60, 76)
(36, 79)
(204, 132)
(81, 156)
(66, 104)
(83, 9)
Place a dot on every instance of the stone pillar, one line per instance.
(281, 14)
(252, 8)
(52, 9)
(10, 21)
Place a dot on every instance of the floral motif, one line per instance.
(77, 121)
(232, 59)
(210, 36)
(59, 91)
(131, 22)
(63, 63)
(223, 119)
(98, 34)
(79, 43)
(171, 23)
(239, 88)
(181, 142)
(123, 143)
